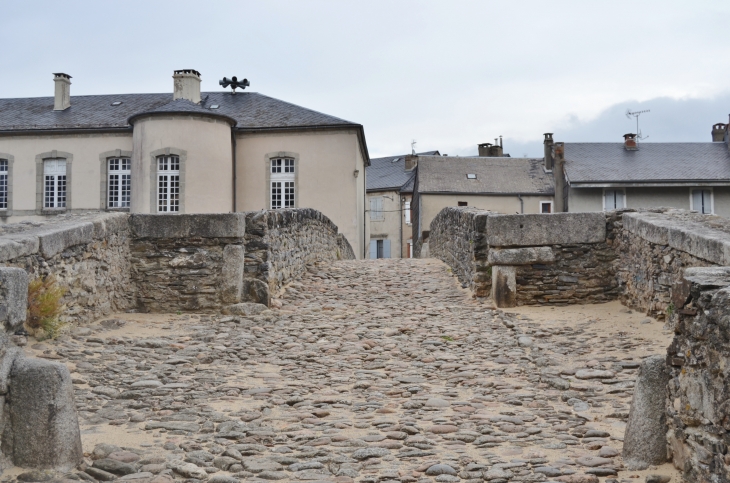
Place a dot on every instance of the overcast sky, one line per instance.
(450, 74)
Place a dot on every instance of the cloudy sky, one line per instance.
(450, 74)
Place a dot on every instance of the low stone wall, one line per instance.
(698, 400)
(88, 255)
(279, 244)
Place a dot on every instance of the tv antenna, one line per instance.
(413, 147)
(636, 114)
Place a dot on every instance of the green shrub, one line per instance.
(45, 307)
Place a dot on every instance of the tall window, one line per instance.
(702, 200)
(120, 178)
(282, 183)
(614, 200)
(376, 208)
(168, 184)
(407, 212)
(3, 184)
(54, 182)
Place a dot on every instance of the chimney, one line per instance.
(187, 85)
(548, 150)
(485, 149)
(557, 153)
(718, 132)
(630, 142)
(411, 161)
(62, 96)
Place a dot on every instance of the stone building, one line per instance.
(633, 174)
(185, 152)
(390, 189)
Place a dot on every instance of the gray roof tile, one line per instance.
(652, 162)
(499, 176)
(390, 173)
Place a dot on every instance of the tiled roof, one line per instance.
(390, 173)
(498, 176)
(250, 110)
(652, 162)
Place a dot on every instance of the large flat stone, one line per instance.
(540, 230)
(521, 256)
(209, 225)
(56, 239)
(232, 274)
(504, 286)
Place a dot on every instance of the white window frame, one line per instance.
(712, 199)
(407, 212)
(550, 203)
(4, 184)
(119, 182)
(168, 183)
(603, 198)
(55, 183)
(282, 183)
(376, 214)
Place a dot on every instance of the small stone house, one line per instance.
(390, 189)
(633, 174)
(182, 152)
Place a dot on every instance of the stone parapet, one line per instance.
(543, 230)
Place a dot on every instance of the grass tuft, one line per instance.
(45, 307)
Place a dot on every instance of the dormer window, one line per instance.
(471, 176)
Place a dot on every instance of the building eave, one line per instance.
(65, 131)
(648, 184)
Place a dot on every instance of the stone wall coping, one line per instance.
(545, 229)
(521, 256)
(203, 225)
(708, 277)
(681, 230)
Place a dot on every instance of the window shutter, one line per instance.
(697, 200)
(373, 209)
(373, 247)
(620, 200)
(608, 201)
(386, 248)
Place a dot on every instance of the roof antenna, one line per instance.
(636, 114)
(234, 83)
(413, 147)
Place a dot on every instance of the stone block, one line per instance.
(504, 286)
(232, 274)
(545, 229)
(108, 224)
(45, 428)
(209, 225)
(16, 246)
(13, 297)
(245, 308)
(256, 291)
(54, 240)
(645, 440)
(521, 256)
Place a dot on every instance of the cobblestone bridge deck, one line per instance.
(370, 372)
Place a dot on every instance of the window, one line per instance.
(3, 184)
(119, 182)
(282, 183)
(54, 183)
(168, 184)
(462, 203)
(471, 176)
(614, 200)
(376, 208)
(546, 207)
(407, 212)
(701, 200)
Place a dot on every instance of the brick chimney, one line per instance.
(630, 143)
(187, 85)
(718, 132)
(548, 150)
(62, 96)
(411, 161)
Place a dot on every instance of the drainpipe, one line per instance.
(233, 148)
(522, 204)
(401, 203)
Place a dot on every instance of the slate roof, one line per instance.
(652, 162)
(496, 176)
(389, 173)
(250, 110)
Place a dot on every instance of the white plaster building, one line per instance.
(185, 152)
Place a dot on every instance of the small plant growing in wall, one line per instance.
(45, 307)
(670, 310)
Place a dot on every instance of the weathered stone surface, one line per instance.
(45, 428)
(521, 256)
(645, 441)
(504, 286)
(232, 274)
(538, 230)
(56, 239)
(208, 225)
(245, 308)
(13, 297)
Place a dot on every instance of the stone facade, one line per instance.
(698, 399)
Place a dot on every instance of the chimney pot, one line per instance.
(718, 132)
(62, 91)
(411, 161)
(630, 142)
(187, 85)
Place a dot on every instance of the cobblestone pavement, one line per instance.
(376, 371)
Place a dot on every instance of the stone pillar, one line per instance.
(504, 286)
(13, 297)
(232, 274)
